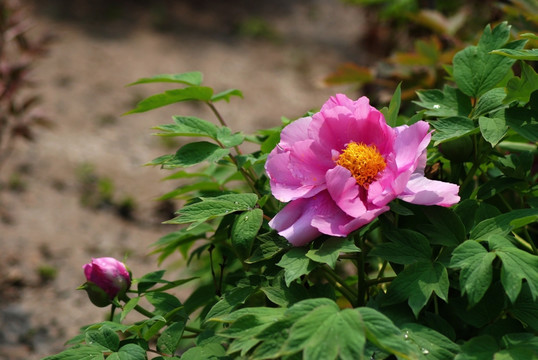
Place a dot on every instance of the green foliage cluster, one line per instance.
(416, 283)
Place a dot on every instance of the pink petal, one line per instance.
(294, 132)
(284, 185)
(344, 191)
(410, 143)
(423, 191)
(294, 222)
(308, 165)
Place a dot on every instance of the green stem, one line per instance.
(363, 286)
(380, 280)
(112, 311)
(149, 314)
(339, 284)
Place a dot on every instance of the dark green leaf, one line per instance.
(267, 246)
(163, 302)
(207, 352)
(476, 271)
(168, 341)
(445, 227)
(200, 93)
(130, 352)
(296, 264)
(104, 337)
(189, 126)
(245, 229)
(492, 100)
(520, 89)
(492, 129)
(197, 152)
(229, 302)
(416, 283)
(330, 249)
(391, 114)
(524, 54)
(447, 103)
(478, 348)
(406, 247)
(188, 78)
(452, 128)
(227, 139)
(82, 352)
(501, 224)
(429, 342)
(525, 309)
(128, 307)
(523, 121)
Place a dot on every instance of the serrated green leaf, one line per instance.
(188, 78)
(227, 139)
(191, 93)
(244, 230)
(230, 300)
(188, 126)
(105, 337)
(163, 302)
(447, 103)
(207, 352)
(226, 95)
(500, 224)
(406, 247)
(79, 352)
(492, 129)
(168, 341)
(330, 249)
(525, 309)
(452, 128)
(195, 153)
(476, 269)
(520, 89)
(382, 332)
(416, 283)
(523, 54)
(296, 263)
(130, 352)
(430, 343)
(267, 246)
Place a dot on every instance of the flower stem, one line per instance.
(340, 284)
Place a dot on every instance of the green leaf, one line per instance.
(195, 153)
(227, 139)
(478, 348)
(226, 95)
(163, 302)
(245, 229)
(229, 302)
(517, 265)
(447, 103)
(330, 249)
(492, 100)
(476, 269)
(130, 352)
(267, 246)
(501, 224)
(169, 340)
(416, 283)
(525, 309)
(382, 332)
(492, 129)
(210, 351)
(128, 307)
(391, 114)
(452, 128)
(200, 93)
(430, 343)
(188, 78)
(524, 54)
(523, 121)
(445, 227)
(296, 264)
(188, 126)
(406, 247)
(105, 337)
(79, 352)
(520, 89)
(325, 333)
(476, 70)
(210, 208)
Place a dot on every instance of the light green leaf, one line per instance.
(195, 153)
(230, 300)
(500, 224)
(416, 283)
(452, 128)
(196, 93)
(244, 230)
(330, 249)
(382, 332)
(524, 54)
(128, 307)
(227, 139)
(447, 103)
(79, 352)
(492, 129)
(168, 341)
(104, 337)
(476, 269)
(406, 247)
(430, 343)
(131, 352)
(211, 351)
(296, 264)
(188, 78)
(520, 89)
(226, 95)
(391, 113)
(188, 126)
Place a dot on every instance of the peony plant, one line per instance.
(347, 234)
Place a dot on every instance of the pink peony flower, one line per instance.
(109, 274)
(341, 167)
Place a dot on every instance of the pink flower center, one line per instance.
(363, 161)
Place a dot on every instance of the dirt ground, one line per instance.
(80, 190)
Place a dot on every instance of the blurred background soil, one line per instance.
(79, 190)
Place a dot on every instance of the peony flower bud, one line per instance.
(107, 278)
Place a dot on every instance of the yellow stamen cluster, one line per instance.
(363, 161)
